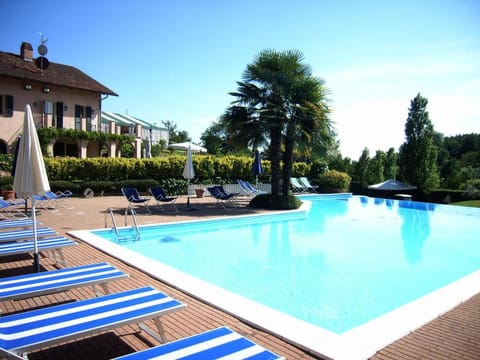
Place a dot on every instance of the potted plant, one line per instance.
(199, 192)
(7, 192)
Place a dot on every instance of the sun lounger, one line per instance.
(47, 282)
(296, 186)
(34, 329)
(20, 223)
(162, 198)
(134, 198)
(253, 189)
(9, 210)
(213, 344)
(306, 183)
(54, 245)
(25, 234)
(220, 196)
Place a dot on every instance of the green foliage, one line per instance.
(6, 182)
(6, 162)
(334, 180)
(272, 202)
(418, 155)
(47, 135)
(300, 169)
(61, 185)
(317, 168)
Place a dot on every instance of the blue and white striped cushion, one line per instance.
(24, 234)
(30, 285)
(221, 343)
(37, 328)
(22, 247)
(7, 224)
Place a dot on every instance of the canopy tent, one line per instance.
(393, 185)
(186, 145)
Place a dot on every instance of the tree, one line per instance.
(281, 104)
(361, 168)
(175, 136)
(391, 168)
(418, 154)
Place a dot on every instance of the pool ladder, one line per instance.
(114, 222)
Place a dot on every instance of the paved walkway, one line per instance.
(455, 335)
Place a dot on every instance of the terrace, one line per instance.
(453, 335)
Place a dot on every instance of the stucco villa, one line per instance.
(64, 97)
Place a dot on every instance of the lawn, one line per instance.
(472, 203)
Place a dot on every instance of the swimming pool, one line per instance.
(337, 269)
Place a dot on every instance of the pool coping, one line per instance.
(358, 343)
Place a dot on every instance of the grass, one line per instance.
(471, 203)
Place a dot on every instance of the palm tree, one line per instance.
(281, 102)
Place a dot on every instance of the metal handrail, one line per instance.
(110, 211)
(133, 213)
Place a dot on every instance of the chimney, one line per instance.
(26, 51)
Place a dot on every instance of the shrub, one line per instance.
(333, 180)
(270, 202)
(62, 185)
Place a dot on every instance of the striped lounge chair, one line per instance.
(47, 282)
(25, 234)
(53, 245)
(56, 324)
(214, 344)
(20, 223)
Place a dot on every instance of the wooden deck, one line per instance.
(454, 335)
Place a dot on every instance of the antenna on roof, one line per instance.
(42, 62)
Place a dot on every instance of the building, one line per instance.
(149, 133)
(61, 97)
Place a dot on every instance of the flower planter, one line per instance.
(8, 194)
(199, 192)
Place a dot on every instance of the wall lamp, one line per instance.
(27, 87)
(46, 90)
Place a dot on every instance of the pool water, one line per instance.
(340, 265)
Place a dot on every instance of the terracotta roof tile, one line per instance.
(14, 66)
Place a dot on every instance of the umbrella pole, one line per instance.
(36, 261)
(188, 194)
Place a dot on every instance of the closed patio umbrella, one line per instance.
(30, 175)
(188, 173)
(257, 168)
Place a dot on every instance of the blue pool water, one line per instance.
(343, 263)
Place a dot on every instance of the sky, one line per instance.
(178, 60)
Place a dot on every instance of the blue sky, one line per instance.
(178, 60)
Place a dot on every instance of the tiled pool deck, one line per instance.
(454, 335)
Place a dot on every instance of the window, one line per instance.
(58, 116)
(48, 107)
(6, 105)
(78, 117)
(88, 117)
(83, 112)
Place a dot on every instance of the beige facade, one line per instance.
(60, 96)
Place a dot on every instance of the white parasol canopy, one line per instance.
(30, 174)
(185, 145)
(188, 173)
(392, 184)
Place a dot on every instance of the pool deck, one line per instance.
(453, 335)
